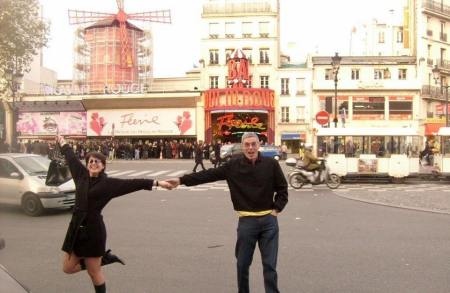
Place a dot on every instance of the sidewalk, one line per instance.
(436, 202)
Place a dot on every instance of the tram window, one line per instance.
(358, 142)
(330, 145)
(377, 146)
(446, 145)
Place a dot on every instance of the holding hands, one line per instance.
(169, 184)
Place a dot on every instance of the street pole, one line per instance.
(446, 106)
(336, 112)
(335, 62)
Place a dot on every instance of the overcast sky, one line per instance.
(321, 26)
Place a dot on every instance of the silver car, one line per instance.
(22, 181)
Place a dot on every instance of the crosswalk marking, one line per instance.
(158, 173)
(123, 172)
(178, 173)
(139, 173)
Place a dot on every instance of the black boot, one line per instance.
(100, 288)
(109, 258)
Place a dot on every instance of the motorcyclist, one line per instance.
(311, 162)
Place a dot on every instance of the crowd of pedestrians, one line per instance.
(117, 149)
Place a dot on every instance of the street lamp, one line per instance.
(437, 75)
(335, 62)
(14, 79)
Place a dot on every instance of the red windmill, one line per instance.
(120, 60)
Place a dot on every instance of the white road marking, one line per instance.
(140, 173)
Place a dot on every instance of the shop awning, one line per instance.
(293, 136)
(432, 128)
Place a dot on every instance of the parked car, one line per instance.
(270, 151)
(227, 151)
(22, 180)
(8, 282)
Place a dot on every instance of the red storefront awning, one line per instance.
(432, 128)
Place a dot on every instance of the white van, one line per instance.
(22, 182)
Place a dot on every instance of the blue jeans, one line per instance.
(263, 230)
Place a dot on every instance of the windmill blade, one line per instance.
(120, 4)
(126, 58)
(153, 16)
(80, 16)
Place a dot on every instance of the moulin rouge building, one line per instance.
(231, 111)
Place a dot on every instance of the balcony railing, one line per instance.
(443, 37)
(435, 92)
(235, 7)
(437, 6)
(441, 63)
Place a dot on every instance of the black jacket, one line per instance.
(86, 235)
(252, 187)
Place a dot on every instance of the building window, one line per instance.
(329, 74)
(264, 56)
(213, 57)
(213, 82)
(230, 30)
(355, 74)
(248, 54)
(400, 110)
(300, 83)
(300, 113)
(246, 29)
(285, 86)
(213, 30)
(264, 81)
(402, 73)
(368, 108)
(284, 114)
(378, 73)
(400, 36)
(264, 29)
(381, 37)
(228, 53)
(249, 84)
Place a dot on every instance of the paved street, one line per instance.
(183, 240)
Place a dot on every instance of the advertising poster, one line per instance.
(230, 126)
(367, 165)
(141, 122)
(48, 123)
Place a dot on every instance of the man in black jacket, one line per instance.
(259, 193)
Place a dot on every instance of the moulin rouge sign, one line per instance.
(238, 95)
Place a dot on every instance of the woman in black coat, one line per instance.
(85, 241)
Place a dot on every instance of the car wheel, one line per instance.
(277, 157)
(32, 205)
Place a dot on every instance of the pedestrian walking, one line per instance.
(218, 161)
(284, 151)
(199, 156)
(85, 241)
(259, 193)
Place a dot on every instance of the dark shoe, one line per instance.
(109, 258)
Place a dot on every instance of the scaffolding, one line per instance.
(97, 57)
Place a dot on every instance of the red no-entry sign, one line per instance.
(322, 117)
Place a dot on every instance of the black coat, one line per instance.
(198, 155)
(253, 188)
(86, 235)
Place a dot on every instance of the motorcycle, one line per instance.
(299, 176)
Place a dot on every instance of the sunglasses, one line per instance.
(94, 161)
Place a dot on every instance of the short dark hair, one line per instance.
(96, 155)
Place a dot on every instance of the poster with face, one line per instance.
(49, 123)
